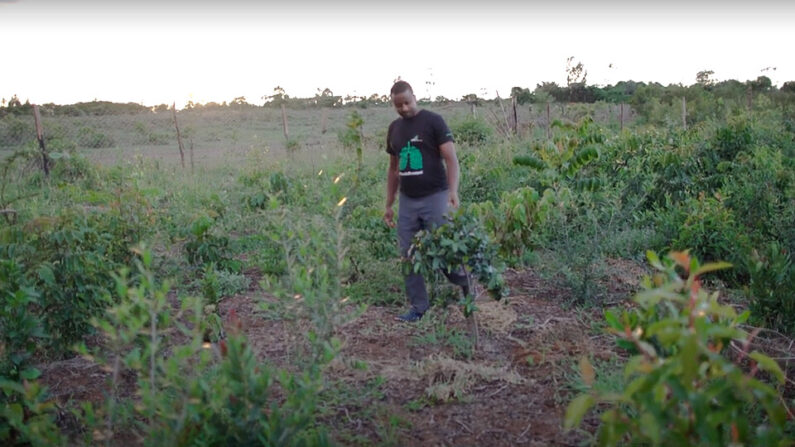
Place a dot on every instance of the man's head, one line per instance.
(403, 99)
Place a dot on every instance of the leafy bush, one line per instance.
(513, 222)
(460, 243)
(711, 227)
(680, 387)
(204, 247)
(189, 395)
(771, 287)
(90, 137)
(472, 131)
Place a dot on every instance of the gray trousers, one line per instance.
(415, 215)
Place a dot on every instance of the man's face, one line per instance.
(405, 104)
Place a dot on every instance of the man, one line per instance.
(418, 143)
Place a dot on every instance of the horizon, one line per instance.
(153, 53)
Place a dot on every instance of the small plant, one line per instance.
(460, 243)
(772, 287)
(204, 247)
(472, 131)
(680, 387)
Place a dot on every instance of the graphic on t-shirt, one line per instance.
(411, 158)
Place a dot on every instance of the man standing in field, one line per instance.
(417, 143)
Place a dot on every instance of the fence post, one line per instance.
(622, 117)
(179, 137)
(515, 116)
(191, 155)
(45, 160)
(684, 113)
(549, 123)
(324, 121)
(284, 124)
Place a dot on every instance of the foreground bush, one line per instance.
(681, 386)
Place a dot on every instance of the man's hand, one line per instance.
(389, 217)
(453, 199)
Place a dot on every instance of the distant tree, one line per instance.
(523, 95)
(788, 86)
(441, 100)
(575, 74)
(472, 98)
(547, 90)
(278, 97)
(326, 98)
(239, 101)
(704, 78)
(761, 84)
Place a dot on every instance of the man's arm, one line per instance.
(392, 182)
(451, 162)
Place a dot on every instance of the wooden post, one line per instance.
(515, 116)
(621, 119)
(284, 124)
(45, 160)
(323, 121)
(179, 137)
(549, 123)
(749, 98)
(684, 113)
(191, 156)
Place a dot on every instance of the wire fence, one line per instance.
(211, 135)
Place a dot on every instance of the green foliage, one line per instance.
(711, 227)
(195, 395)
(20, 326)
(460, 243)
(513, 222)
(69, 261)
(680, 387)
(27, 418)
(216, 284)
(771, 288)
(472, 131)
(92, 138)
(204, 247)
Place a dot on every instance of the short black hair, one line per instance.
(400, 87)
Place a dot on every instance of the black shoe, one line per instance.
(465, 291)
(409, 317)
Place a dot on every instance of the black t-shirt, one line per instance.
(415, 141)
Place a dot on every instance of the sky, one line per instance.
(153, 52)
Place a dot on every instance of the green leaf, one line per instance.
(711, 267)
(30, 374)
(765, 363)
(46, 274)
(654, 260)
(612, 320)
(576, 410)
(650, 426)
(15, 414)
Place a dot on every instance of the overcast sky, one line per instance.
(155, 52)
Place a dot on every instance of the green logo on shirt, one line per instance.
(410, 160)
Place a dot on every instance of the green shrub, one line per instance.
(472, 131)
(204, 247)
(90, 137)
(679, 387)
(771, 288)
(187, 394)
(712, 228)
(460, 243)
